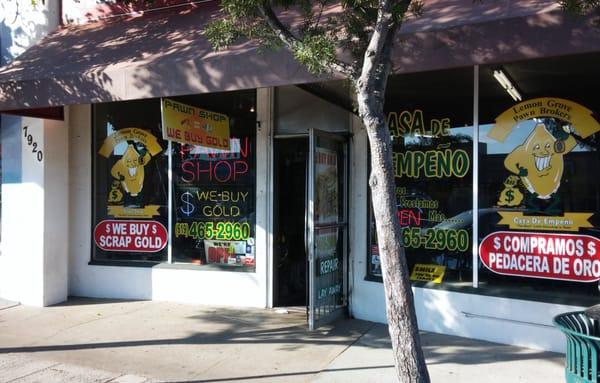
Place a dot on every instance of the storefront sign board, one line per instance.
(126, 235)
(194, 126)
(567, 257)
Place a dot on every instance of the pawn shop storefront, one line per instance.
(212, 182)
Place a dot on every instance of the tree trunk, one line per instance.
(402, 321)
(370, 91)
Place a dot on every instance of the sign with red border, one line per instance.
(129, 235)
(567, 257)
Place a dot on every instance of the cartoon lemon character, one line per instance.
(129, 169)
(539, 160)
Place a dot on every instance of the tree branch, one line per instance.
(286, 36)
(377, 61)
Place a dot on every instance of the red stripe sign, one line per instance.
(128, 235)
(567, 257)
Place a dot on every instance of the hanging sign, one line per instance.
(194, 126)
(566, 257)
(124, 235)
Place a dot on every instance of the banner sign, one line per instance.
(138, 236)
(568, 222)
(428, 273)
(130, 134)
(194, 126)
(575, 114)
(148, 211)
(566, 257)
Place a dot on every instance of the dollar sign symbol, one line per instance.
(510, 196)
(115, 194)
(189, 208)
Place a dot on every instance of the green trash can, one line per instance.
(583, 346)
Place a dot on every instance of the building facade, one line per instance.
(172, 172)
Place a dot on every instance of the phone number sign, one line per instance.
(566, 257)
(127, 235)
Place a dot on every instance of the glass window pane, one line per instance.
(214, 190)
(539, 197)
(130, 182)
(430, 119)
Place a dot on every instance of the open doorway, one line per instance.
(290, 274)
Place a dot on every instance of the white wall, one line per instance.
(502, 320)
(175, 283)
(33, 264)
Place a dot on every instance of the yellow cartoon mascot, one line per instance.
(539, 160)
(129, 169)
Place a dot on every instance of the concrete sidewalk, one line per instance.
(88, 340)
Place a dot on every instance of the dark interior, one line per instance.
(290, 277)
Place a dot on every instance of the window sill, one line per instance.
(175, 266)
(519, 292)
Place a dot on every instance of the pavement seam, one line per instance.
(88, 322)
(373, 324)
(114, 378)
(10, 307)
(32, 373)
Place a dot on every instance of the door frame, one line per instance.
(342, 224)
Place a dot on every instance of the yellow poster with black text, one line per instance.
(187, 124)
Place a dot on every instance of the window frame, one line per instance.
(169, 262)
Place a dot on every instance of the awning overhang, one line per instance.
(164, 53)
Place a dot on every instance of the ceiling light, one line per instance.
(507, 85)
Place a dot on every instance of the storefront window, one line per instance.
(130, 182)
(539, 195)
(432, 154)
(538, 227)
(213, 181)
(214, 202)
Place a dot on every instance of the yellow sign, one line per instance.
(119, 211)
(567, 222)
(428, 273)
(190, 125)
(577, 115)
(130, 134)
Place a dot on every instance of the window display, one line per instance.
(537, 159)
(432, 161)
(213, 180)
(214, 203)
(130, 183)
(538, 228)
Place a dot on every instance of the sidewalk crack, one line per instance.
(33, 373)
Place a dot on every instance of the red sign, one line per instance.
(139, 236)
(565, 257)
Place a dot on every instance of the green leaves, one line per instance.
(580, 7)
(316, 52)
(222, 33)
(319, 28)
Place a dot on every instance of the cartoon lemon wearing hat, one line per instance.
(539, 160)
